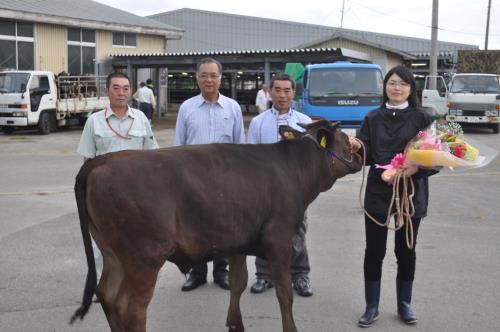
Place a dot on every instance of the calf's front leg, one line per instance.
(238, 278)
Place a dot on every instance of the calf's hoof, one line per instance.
(236, 328)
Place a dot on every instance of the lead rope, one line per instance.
(404, 205)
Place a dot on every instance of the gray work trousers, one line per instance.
(300, 258)
(97, 259)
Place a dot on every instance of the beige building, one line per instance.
(74, 36)
(382, 55)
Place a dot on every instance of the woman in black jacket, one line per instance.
(385, 133)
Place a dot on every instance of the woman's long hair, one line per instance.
(407, 76)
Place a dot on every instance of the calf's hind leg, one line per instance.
(279, 264)
(238, 278)
(130, 304)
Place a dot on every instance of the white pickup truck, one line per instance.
(472, 99)
(37, 99)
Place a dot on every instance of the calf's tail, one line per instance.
(91, 282)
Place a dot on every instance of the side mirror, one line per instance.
(299, 88)
(23, 87)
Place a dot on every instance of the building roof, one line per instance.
(207, 30)
(85, 14)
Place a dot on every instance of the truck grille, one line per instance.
(473, 113)
(6, 115)
(473, 107)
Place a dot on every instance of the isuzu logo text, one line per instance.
(348, 102)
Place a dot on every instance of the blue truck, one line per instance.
(340, 91)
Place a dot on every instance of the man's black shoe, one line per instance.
(222, 279)
(261, 285)
(193, 282)
(302, 286)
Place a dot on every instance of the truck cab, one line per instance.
(37, 99)
(22, 95)
(472, 99)
(341, 91)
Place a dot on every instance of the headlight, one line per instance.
(494, 113)
(19, 114)
(487, 113)
(453, 112)
(459, 112)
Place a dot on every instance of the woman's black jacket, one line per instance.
(385, 133)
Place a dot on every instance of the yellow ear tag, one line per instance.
(289, 135)
(322, 143)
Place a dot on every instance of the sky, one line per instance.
(459, 21)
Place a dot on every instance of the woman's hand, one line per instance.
(355, 144)
(409, 169)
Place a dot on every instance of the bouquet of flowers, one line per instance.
(438, 145)
(443, 145)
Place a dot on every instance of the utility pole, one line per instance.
(434, 37)
(342, 15)
(487, 26)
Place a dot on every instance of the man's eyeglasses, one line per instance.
(401, 84)
(206, 77)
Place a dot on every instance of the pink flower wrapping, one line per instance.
(397, 162)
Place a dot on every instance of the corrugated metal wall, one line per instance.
(51, 48)
(145, 44)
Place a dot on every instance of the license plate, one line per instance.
(349, 131)
(472, 119)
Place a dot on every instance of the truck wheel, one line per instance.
(7, 130)
(495, 127)
(45, 123)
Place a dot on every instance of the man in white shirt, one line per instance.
(209, 117)
(146, 100)
(262, 98)
(117, 127)
(264, 130)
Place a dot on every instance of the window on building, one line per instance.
(81, 51)
(122, 39)
(17, 49)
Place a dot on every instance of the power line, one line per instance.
(420, 24)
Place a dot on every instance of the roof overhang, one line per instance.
(250, 60)
(88, 24)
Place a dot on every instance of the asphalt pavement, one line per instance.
(43, 267)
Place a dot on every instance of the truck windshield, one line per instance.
(337, 82)
(475, 84)
(13, 82)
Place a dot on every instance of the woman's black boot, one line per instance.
(404, 289)
(372, 297)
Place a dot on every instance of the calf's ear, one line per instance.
(334, 125)
(288, 132)
(325, 138)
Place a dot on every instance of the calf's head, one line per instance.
(332, 140)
